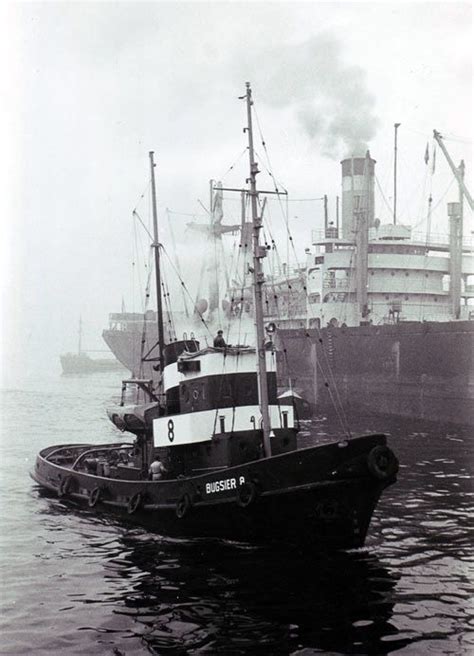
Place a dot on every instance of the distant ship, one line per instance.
(382, 312)
(81, 363)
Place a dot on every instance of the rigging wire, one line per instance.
(389, 207)
(234, 164)
(186, 290)
(290, 238)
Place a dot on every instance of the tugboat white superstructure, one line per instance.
(227, 447)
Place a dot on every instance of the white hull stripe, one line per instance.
(195, 427)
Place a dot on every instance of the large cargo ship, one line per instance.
(387, 322)
(379, 316)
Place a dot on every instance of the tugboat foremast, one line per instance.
(258, 279)
(156, 247)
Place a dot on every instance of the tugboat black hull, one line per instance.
(323, 496)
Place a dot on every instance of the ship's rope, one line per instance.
(136, 270)
(241, 300)
(145, 308)
(186, 291)
(334, 392)
(231, 167)
(177, 262)
(328, 374)
(333, 395)
(389, 207)
(216, 276)
(148, 270)
(423, 304)
(168, 309)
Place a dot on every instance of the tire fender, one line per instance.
(247, 494)
(382, 463)
(94, 497)
(65, 486)
(183, 506)
(134, 503)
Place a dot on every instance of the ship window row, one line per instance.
(392, 273)
(381, 248)
(406, 298)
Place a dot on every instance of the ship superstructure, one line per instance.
(389, 274)
(367, 293)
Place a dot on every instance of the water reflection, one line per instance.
(116, 589)
(211, 596)
(234, 599)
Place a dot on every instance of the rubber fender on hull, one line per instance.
(382, 463)
(134, 503)
(183, 506)
(94, 497)
(247, 494)
(65, 486)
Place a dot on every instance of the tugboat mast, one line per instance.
(259, 252)
(156, 246)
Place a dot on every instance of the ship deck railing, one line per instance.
(437, 241)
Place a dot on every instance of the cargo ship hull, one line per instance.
(419, 370)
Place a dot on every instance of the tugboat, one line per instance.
(216, 454)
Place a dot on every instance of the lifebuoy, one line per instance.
(247, 494)
(65, 486)
(94, 497)
(134, 503)
(382, 463)
(183, 506)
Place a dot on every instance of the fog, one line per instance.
(90, 89)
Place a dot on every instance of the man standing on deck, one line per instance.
(219, 341)
(156, 470)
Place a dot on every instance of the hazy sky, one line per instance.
(89, 89)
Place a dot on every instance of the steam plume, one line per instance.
(329, 96)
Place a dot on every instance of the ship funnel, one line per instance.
(358, 183)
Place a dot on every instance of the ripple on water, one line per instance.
(77, 583)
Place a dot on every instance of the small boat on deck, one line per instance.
(215, 452)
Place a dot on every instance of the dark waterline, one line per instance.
(74, 582)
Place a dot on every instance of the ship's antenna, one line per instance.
(258, 278)
(156, 247)
(396, 126)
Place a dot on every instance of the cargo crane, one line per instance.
(458, 171)
(455, 212)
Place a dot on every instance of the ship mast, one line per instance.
(259, 252)
(79, 346)
(395, 152)
(156, 247)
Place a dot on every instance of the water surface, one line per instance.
(74, 582)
